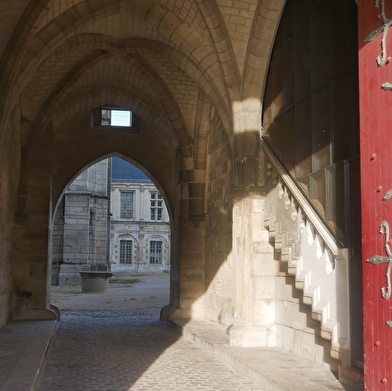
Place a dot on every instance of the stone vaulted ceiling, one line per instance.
(62, 58)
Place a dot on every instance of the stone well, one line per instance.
(95, 281)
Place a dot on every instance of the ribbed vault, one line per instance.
(182, 66)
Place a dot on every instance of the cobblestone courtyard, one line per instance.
(114, 342)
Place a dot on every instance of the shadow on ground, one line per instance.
(114, 341)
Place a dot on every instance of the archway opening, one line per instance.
(111, 223)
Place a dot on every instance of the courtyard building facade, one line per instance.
(111, 218)
(139, 223)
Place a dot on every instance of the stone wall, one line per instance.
(8, 179)
(31, 255)
(85, 219)
(219, 268)
(57, 241)
(76, 228)
(51, 169)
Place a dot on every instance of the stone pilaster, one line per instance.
(254, 276)
(191, 274)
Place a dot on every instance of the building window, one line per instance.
(126, 251)
(156, 207)
(156, 252)
(110, 117)
(126, 207)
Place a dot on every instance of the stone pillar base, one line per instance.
(34, 315)
(252, 336)
(56, 310)
(166, 311)
(181, 313)
(187, 313)
(70, 274)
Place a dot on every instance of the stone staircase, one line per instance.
(316, 261)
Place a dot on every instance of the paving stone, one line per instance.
(131, 352)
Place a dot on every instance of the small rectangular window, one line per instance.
(106, 119)
(126, 251)
(126, 205)
(121, 118)
(116, 117)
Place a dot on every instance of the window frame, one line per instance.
(156, 206)
(128, 252)
(123, 209)
(154, 259)
(97, 126)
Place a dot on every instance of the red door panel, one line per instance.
(375, 106)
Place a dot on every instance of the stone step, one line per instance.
(274, 369)
(24, 346)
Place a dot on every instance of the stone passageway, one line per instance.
(114, 342)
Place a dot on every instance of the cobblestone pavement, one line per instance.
(113, 351)
(121, 350)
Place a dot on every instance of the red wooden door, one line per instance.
(375, 103)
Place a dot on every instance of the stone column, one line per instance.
(31, 256)
(187, 272)
(254, 270)
(188, 278)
